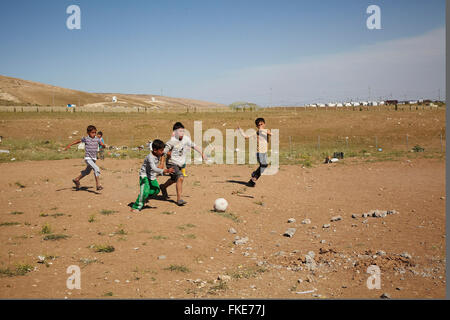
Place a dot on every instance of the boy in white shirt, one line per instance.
(176, 149)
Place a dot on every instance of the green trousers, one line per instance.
(147, 189)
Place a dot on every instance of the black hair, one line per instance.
(100, 133)
(259, 120)
(91, 128)
(158, 145)
(177, 126)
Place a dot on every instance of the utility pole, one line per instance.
(270, 97)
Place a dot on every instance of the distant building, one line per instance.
(391, 102)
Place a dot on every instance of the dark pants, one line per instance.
(262, 160)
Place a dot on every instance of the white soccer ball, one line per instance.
(220, 205)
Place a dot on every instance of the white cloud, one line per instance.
(414, 67)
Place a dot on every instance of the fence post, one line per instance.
(407, 142)
(290, 146)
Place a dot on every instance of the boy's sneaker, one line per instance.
(164, 192)
(181, 202)
(251, 183)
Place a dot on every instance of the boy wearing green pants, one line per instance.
(147, 176)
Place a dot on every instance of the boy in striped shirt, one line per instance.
(91, 144)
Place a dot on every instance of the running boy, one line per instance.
(261, 149)
(91, 144)
(176, 148)
(147, 175)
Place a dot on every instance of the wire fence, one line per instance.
(194, 109)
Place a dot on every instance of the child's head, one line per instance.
(260, 122)
(91, 131)
(178, 130)
(158, 147)
(99, 134)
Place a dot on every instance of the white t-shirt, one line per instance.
(263, 140)
(179, 149)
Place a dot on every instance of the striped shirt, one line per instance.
(90, 147)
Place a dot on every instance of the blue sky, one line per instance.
(224, 51)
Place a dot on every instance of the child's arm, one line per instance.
(159, 170)
(243, 133)
(102, 144)
(201, 152)
(161, 162)
(71, 144)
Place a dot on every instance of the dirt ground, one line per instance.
(168, 251)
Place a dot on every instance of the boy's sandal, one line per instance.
(77, 184)
(99, 188)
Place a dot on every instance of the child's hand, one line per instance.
(168, 171)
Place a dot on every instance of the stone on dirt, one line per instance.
(241, 241)
(290, 232)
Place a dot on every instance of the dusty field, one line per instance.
(197, 244)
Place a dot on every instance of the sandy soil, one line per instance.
(269, 265)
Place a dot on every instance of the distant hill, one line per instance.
(19, 92)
